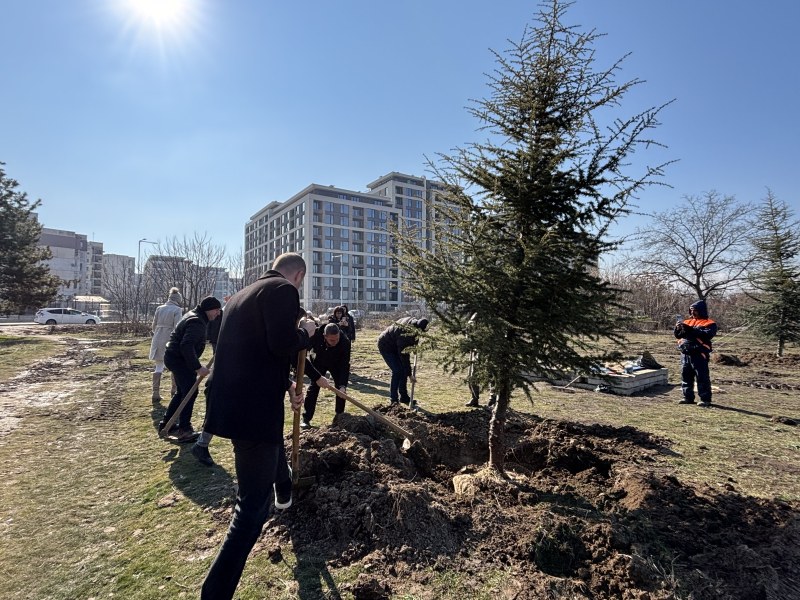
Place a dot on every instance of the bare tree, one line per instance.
(650, 299)
(239, 276)
(702, 247)
(119, 288)
(192, 264)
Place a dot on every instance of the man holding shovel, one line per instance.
(257, 339)
(330, 352)
(182, 357)
(393, 344)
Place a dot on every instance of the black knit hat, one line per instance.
(209, 303)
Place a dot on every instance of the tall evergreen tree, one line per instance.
(24, 281)
(524, 217)
(776, 278)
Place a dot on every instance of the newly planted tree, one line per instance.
(524, 216)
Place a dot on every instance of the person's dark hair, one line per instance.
(331, 329)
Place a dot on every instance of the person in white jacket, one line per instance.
(166, 318)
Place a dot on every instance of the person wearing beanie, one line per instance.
(694, 335)
(393, 344)
(182, 357)
(164, 321)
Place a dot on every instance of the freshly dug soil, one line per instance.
(583, 512)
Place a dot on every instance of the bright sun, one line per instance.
(161, 13)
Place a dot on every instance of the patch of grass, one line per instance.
(93, 504)
(17, 352)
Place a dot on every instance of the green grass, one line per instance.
(17, 352)
(94, 505)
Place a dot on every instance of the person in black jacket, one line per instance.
(330, 352)
(392, 343)
(351, 322)
(257, 338)
(339, 318)
(182, 357)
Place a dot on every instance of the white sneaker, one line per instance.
(283, 496)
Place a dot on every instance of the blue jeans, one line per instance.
(184, 380)
(397, 388)
(258, 466)
(695, 366)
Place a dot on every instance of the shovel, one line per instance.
(407, 435)
(297, 482)
(164, 431)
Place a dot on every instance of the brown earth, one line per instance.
(585, 511)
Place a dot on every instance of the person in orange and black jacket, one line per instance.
(330, 352)
(392, 344)
(695, 335)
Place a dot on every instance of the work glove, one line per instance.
(343, 389)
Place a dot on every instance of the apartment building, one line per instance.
(76, 261)
(344, 237)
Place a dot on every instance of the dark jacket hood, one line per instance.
(701, 309)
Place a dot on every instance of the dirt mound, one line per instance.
(584, 512)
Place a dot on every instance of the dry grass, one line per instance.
(94, 505)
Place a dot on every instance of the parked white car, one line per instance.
(64, 316)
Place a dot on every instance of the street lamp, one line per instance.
(355, 273)
(139, 278)
(333, 257)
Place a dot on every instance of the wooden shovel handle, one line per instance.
(386, 421)
(164, 431)
(299, 372)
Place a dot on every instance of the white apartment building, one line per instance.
(343, 235)
(76, 261)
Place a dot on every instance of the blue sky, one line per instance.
(129, 128)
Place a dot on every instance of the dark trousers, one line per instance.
(398, 389)
(310, 401)
(184, 380)
(695, 366)
(258, 466)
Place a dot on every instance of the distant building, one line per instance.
(117, 269)
(344, 237)
(76, 261)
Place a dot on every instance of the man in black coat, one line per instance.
(392, 344)
(182, 358)
(257, 338)
(330, 352)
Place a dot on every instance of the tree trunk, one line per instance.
(497, 427)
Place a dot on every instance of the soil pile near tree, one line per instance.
(586, 511)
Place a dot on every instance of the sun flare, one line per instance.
(160, 13)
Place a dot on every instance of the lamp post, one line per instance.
(139, 278)
(333, 257)
(355, 273)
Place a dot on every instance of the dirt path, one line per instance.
(55, 381)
